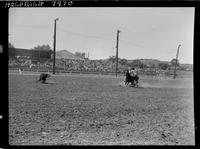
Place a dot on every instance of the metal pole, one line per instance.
(176, 61)
(117, 52)
(39, 60)
(54, 46)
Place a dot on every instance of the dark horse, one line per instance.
(43, 77)
(130, 79)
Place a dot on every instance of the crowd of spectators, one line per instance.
(67, 65)
(63, 65)
(85, 65)
(20, 62)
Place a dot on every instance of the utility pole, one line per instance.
(39, 60)
(112, 57)
(54, 46)
(117, 52)
(176, 61)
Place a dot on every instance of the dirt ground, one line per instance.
(100, 110)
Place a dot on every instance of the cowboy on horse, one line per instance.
(131, 77)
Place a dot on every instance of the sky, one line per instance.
(145, 32)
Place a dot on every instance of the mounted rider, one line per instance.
(133, 73)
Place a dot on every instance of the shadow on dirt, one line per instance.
(130, 85)
(48, 83)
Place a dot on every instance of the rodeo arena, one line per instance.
(87, 102)
(59, 97)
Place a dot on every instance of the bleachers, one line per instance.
(79, 66)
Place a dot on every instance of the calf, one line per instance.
(43, 77)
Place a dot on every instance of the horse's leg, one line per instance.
(137, 80)
(132, 81)
(125, 81)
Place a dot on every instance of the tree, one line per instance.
(153, 65)
(11, 50)
(42, 48)
(112, 58)
(10, 45)
(163, 66)
(42, 52)
(136, 63)
(142, 65)
(123, 61)
(173, 62)
(81, 55)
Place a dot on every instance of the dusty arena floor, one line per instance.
(100, 110)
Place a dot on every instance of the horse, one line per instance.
(130, 79)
